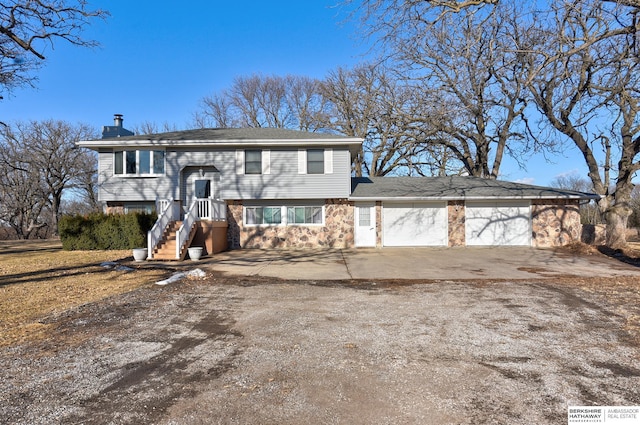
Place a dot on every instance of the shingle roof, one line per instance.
(451, 188)
(224, 135)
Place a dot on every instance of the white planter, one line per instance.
(195, 252)
(139, 254)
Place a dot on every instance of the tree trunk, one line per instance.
(616, 218)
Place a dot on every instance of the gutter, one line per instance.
(465, 198)
(119, 143)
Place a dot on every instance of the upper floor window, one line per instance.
(138, 162)
(253, 162)
(315, 161)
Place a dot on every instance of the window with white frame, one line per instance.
(263, 215)
(202, 188)
(138, 162)
(253, 161)
(285, 215)
(304, 215)
(315, 161)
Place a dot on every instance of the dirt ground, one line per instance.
(238, 350)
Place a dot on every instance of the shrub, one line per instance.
(105, 231)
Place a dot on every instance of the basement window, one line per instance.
(263, 215)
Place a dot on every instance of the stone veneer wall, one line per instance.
(555, 222)
(337, 231)
(114, 208)
(456, 223)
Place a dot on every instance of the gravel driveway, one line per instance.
(239, 350)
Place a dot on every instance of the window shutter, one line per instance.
(328, 161)
(266, 161)
(302, 161)
(239, 161)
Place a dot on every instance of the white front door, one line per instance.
(365, 224)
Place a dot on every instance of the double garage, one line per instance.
(462, 211)
(486, 223)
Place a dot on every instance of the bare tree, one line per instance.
(587, 87)
(151, 127)
(45, 152)
(22, 196)
(459, 59)
(28, 27)
(291, 102)
(576, 61)
(589, 212)
(368, 102)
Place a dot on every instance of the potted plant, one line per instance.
(195, 252)
(139, 254)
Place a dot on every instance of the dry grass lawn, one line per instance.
(38, 279)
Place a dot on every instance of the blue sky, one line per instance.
(157, 60)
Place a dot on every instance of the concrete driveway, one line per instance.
(417, 263)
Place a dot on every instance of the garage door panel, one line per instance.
(498, 223)
(415, 224)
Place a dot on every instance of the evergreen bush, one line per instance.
(105, 231)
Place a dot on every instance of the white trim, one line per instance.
(266, 161)
(328, 161)
(240, 161)
(118, 142)
(457, 198)
(302, 161)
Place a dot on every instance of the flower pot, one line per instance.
(139, 254)
(195, 252)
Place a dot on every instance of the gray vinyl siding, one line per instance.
(283, 182)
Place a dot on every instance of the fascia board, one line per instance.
(115, 142)
(464, 198)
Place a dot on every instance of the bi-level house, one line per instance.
(258, 187)
(274, 188)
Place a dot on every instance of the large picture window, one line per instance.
(285, 215)
(138, 162)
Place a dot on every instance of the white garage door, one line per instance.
(414, 224)
(498, 223)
